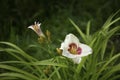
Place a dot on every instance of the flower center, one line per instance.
(36, 28)
(73, 49)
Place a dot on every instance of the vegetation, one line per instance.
(23, 57)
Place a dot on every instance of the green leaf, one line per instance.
(53, 73)
(108, 21)
(112, 31)
(18, 50)
(110, 72)
(79, 30)
(116, 77)
(47, 63)
(15, 69)
(88, 28)
(80, 65)
(107, 63)
(18, 75)
(114, 21)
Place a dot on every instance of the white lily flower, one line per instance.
(72, 48)
(37, 29)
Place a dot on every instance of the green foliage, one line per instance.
(102, 64)
(32, 69)
(99, 66)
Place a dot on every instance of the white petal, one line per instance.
(86, 50)
(31, 27)
(35, 22)
(67, 54)
(76, 60)
(62, 45)
(39, 24)
(70, 38)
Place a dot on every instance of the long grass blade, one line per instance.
(18, 50)
(110, 72)
(15, 69)
(88, 28)
(108, 21)
(79, 30)
(18, 75)
(106, 64)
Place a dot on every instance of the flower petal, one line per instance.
(70, 38)
(86, 50)
(38, 24)
(68, 54)
(77, 60)
(31, 27)
(62, 45)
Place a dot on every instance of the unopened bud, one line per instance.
(48, 35)
(59, 51)
(41, 39)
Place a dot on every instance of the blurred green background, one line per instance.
(17, 15)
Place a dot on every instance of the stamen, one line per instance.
(73, 49)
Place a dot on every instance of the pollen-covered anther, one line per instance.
(73, 49)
